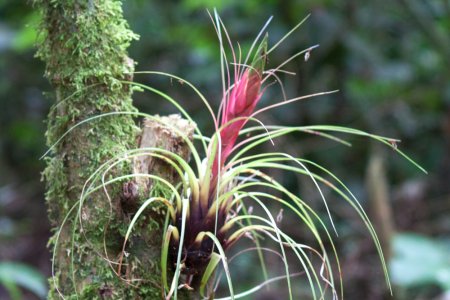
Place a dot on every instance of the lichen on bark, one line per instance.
(84, 48)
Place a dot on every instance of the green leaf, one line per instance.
(260, 57)
(215, 259)
(420, 260)
(12, 274)
(28, 36)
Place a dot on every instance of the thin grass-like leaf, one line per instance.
(223, 258)
(259, 287)
(277, 232)
(171, 230)
(288, 34)
(174, 286)
(134, 220)
(136, 114)
(215, 259)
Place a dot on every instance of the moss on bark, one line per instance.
(84, 49)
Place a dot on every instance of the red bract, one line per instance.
(240, 104)
(243, 99)
(244, 95)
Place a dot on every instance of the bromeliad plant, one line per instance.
(208, 211)
(214, 199)
(212, 216)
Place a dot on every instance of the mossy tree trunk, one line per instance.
(84, 49)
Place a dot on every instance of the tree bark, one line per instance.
(84, 48)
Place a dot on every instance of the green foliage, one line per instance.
(14, 274)
(27, 37)
(419, 260)
(97, 42)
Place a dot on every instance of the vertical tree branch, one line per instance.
(378, 196)
(85, 54)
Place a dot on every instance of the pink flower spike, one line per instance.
(241, 103)
(244, 96)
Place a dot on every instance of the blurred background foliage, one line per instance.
(389, 59)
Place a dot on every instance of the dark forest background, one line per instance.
(389, 59)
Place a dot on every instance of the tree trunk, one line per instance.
(84, 48)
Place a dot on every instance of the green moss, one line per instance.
(84, 46)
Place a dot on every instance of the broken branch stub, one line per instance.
(168, 133)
